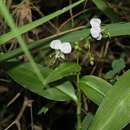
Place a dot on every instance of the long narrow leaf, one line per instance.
(117, 29)
(104, 7)
(6, 37)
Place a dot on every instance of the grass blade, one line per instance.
(104, 7)
(6, 37)
(10, 22)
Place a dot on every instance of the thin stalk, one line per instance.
(79, 100)
(71, 14)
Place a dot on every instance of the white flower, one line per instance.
(96, 28)
(64, 47)
(95, 22)
(55, 44)
(95, 32)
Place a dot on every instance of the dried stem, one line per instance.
(16, 122)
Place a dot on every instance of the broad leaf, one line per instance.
(62, 71)
(114, 111)
(94, 88)
(61, 92)
(68, 90)
(118, 65)
(109, 75)
(25, 76)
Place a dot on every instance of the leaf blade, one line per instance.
(32, 83)
(63, 70)
(114, 111)
(104, 7)
(94, 88)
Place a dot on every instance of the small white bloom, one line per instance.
(66, 48)
(95, 22)
(55, 44)
(95, 32)
(96, 28)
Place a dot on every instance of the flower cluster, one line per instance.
(96, 28)
(64, 47)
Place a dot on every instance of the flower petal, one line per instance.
(55, 44)
(100, 37)
(66, 48)
(95, 22)
(95, 32)
(95, 29)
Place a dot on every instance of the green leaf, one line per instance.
(104, 7)
(110, 74)
(86, 121)
(94, 88)
(118, 65)
(25, 76)
(117, 29)
(114, 111)
(43, 110)
(68, 90)
(46, 108)
(62, 92)
(63, 70)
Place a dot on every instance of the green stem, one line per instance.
(79, 100)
